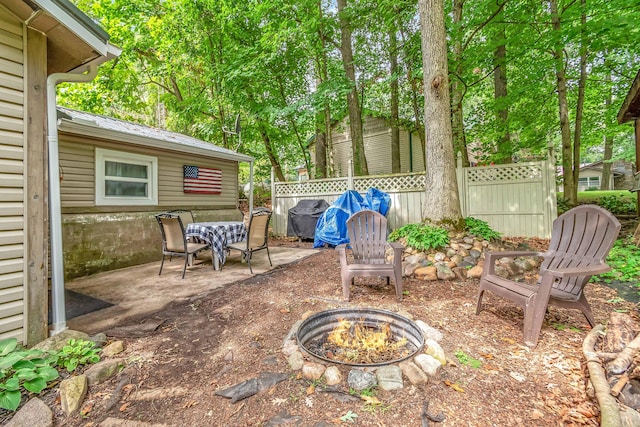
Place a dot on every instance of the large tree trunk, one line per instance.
(458, 88)
(570, 189)
(353, 104)
(503, 146)
(442, 203)
(395, 115)
(419, 123)
(577, 132)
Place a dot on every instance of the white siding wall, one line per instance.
(12, 167)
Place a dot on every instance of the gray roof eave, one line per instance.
(92, 131)
(76, 21)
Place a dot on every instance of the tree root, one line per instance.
(609, 411)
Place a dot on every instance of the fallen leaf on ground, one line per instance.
(189, 404)
(278, 401)
(86, 408)
(124, 407)
(311, 389)
(371, 400)
(454, 386)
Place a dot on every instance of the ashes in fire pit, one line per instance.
(360, 336)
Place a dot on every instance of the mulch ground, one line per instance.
(210, 342)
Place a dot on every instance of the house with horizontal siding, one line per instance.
(377, 147)
(42, 42)
(115, 176)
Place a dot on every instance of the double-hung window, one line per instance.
(125, 178)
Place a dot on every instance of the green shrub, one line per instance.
(618, 205)
(624, 260)
(421, 236)
(480, 228)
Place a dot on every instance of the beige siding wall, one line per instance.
(12, 167)
(377, 144)
(77, 189)
(101, 238)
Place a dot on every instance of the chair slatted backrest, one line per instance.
(258, 228)
(173, 231)
(368, 236)
(581, 236)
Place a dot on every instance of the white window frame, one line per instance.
(102, 155)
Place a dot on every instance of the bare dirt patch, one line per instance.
(233, 334)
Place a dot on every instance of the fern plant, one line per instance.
(480, 228)
(421, 236)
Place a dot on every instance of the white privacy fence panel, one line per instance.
(515, 199)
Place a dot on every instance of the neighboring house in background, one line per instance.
(377, 145)
(621, 178)
(107, 226)
(37, 39)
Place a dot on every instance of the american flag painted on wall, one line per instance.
(202, 180)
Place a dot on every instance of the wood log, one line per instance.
(617, 388)
(621, 363)
(609, 413)
(621, 330)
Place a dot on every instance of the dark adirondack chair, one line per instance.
(580, 241)
(368, 241)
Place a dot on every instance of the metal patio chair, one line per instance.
(368, 241)
(257, 236)
(580, 241)
(174, 241)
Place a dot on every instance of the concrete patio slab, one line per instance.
(139, 289)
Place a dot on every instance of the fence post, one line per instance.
(462, 191)
(350, 175)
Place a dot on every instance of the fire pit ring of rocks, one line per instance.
(318, 326)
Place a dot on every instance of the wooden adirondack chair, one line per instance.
(580, 241)
(368, 241)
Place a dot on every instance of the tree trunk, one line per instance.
(503, 146)
(608, 139)
(419, 123)
(353, 104)
(570, 189)
(577, 132)
(272, 158)
(321, 147)
(395, 115)
(327, 168)
(458, 88)
(442, 203)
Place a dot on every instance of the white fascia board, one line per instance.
(78, 28)
(91, 131)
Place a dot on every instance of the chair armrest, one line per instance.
(491, 257)
(589, 270)
(398, 248)
(342, 251)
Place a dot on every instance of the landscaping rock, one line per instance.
(312, 371)
(72, 392)
(428, 364)
(389, 377)
(432, 348)
(332, 375)
(34, 413)
(415, 375)
(99, 339)
(443, 272)
(103, 370)
(427, 273)
(112, 349)
(474, 272)
(361, 380)
(56, 342)
(429, 332)
(295, 360)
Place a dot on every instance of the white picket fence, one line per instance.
(517, 199)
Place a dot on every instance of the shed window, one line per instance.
(126, 178)
(589, 182)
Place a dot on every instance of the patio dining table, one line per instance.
(218, 235)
